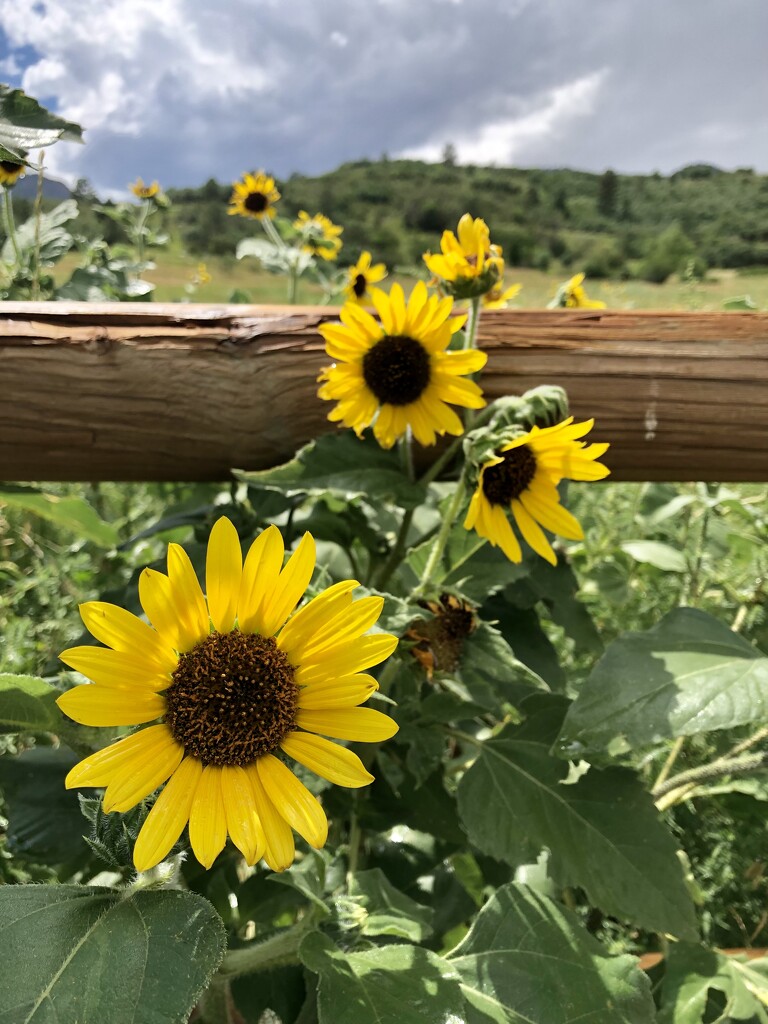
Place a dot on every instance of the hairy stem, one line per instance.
(442, 538)
(278, 950)
(38, 213)
(10, 226)
(669, 793)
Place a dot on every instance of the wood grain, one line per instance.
(185, 392)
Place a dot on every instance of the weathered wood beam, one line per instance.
(184, 392)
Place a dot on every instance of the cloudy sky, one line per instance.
(184, 90)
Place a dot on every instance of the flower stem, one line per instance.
(10, 227)
(470, 341)
(669, 793)
(38, 213)
(442, 538)
(278, 950)
(670, 761)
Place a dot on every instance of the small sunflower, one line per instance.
(320, 236)
(10, 172)
(398, 373)
(362, 276)
(573, 296)
(523, 478)
(254, 196)
(235, 682)
(498, 296)
(142, 191)
(469, 264)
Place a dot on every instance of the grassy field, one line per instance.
(228, 275)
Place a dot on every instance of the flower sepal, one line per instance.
(463, 288)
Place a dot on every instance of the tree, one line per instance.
(607, 194)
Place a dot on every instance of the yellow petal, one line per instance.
(124, 631)
(243, 822)
(280, 849)
(326, 759)
(365, 652)
(129, 788)
(207, 819)
(290, 587)
(223, 570)
(121, 758)
(349, 624)
(309, 619)
(111, 705)
(156, 596)
(501, 533)
(293, 800)
(347, 692)
(262, 565)
(552, 516)
(115, 668)
(363, 725)
(188, 598)
(170, 813)
(533, 533)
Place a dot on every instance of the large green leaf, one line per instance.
(603, 831)
(527, 960)
(400, 984)
(90, 955)
(52, 237)
(73, 514)
(27, 704)
(687, 675)
(389, 911)
(692, 972)
(24, 124)
(341, 464)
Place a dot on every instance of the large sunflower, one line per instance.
(320, 236)
(10, 172)
(362, 276)
(398, 373)
(234, 683)
(254, 196)
(523, 479)
(469, 264)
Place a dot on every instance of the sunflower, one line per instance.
(573, 296)
(362, 276)
(523, 477)
(469, 264)
(233, 682)
(320, 236)
(10, 172)
(254, 196)
(498, 296)
(142, 191)
(398, 373)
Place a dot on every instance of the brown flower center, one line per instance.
(397, 370)
(507, 480)
(256, 202)
(359, 286)
(233, 698)
(10, 167)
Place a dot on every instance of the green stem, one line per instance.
(470, 337)
(216, 1003)
(38, 213)
(278, 950)
(10, 227)
(705, 773)
(673, 755)
(141, 222)
(405, 446)
(396, 554)
(442, 538)
(355, 842)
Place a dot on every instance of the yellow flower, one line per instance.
(362, 276)
(574, 296)
(497, 297)
(254, 196)
(469, 265)
(320, 236)
(142, 191)
(10, 172)
(398, 373)
(201, 275)
(234, 681)
(523, 478)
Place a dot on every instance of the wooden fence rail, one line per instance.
(185, 392)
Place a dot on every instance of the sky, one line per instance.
(185, 90)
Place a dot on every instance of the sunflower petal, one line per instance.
(128, 788)
(170, 813)
(363, 725)
(156, 596)
(290, 587)
(188, 599)
(532, 532)
(280, 849)
(207, 818)
(223, 571)
(346, 692)
(311, 618)
(365, 652)
(123, 631)
(243, 822)
(293, 800)
(336, 632)
(326, 759)
(111, 705)
(260, 572)
(123, 757)
(115, 668)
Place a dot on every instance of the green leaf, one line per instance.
(400, 984)
(692, 971)
(73, 514)
(689, 674)
(490, 671)
(27, 704)
(89, 954)
(280, 991)
(343, 465)
(527, 960)
(389, 911)
(603, 831)
(653, 552)
(54, 239)
(24, 124)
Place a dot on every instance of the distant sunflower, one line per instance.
(142, 191)
(235, 681)
(362, 276)
(320, 236)
(469, 265)
(10, 172)
(254, 196)
(523, 478)
(575, 297)
(498, 296)
(398, 373)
